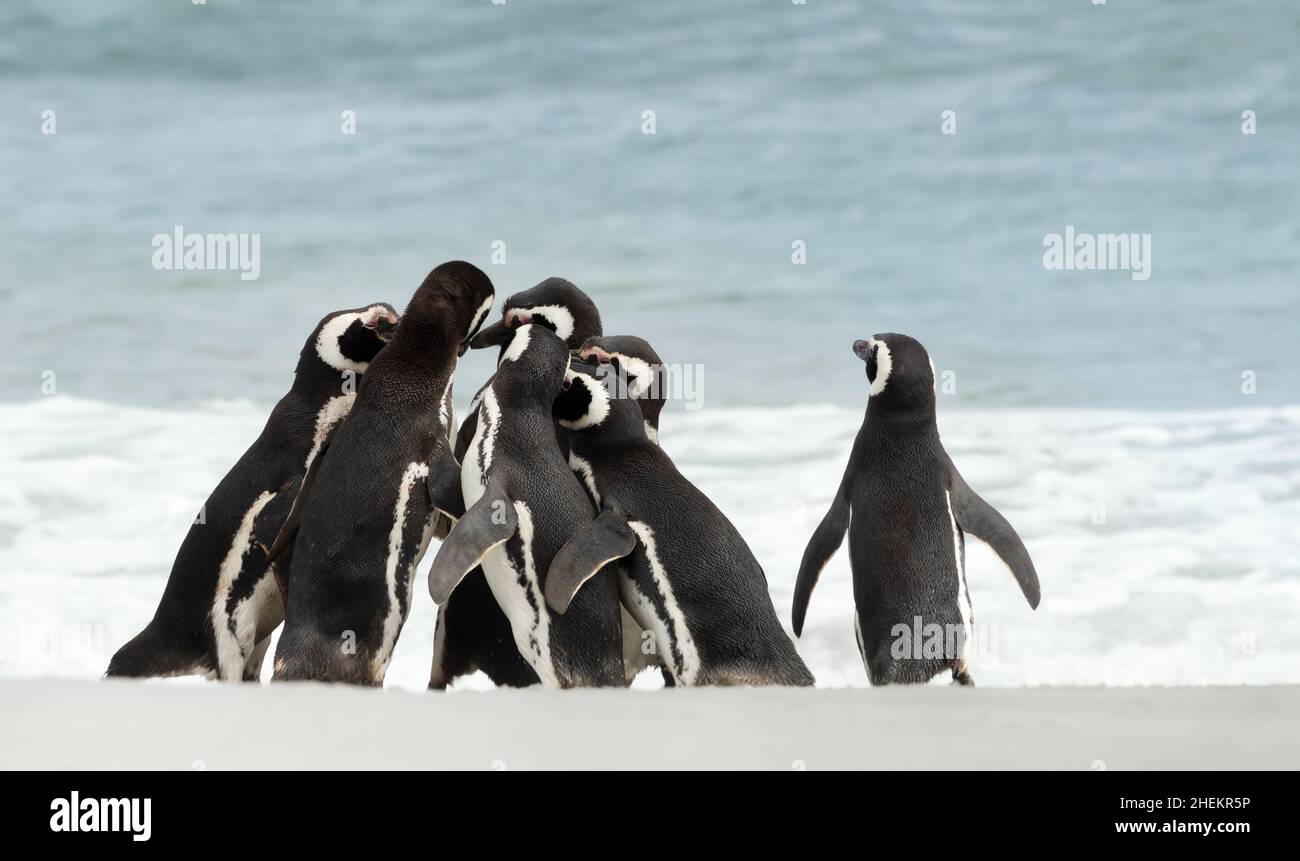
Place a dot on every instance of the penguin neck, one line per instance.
(318, 383)
(533, 401)
(427, 339)
(621, 431)
(878, 409)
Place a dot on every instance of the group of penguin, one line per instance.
(572, 553)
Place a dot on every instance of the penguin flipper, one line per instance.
(271, 519)
(986, 523)
(443, 485)
(600, 542)
(289, 530)
(487, 523)
(821, 547)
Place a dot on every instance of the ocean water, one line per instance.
(1141, 434)
(774, 123)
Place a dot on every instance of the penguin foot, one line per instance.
(961, 676)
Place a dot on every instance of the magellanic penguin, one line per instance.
(632, 365)
(221, 602)
(906, 509)
(472, 631)
(687, 574)
(522, 504)
(365, 517)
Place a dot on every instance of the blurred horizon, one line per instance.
(523, 123)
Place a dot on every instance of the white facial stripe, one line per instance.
(479, 315)
(884, 364)
(557, 315)
(327, 343)
(597, 410)
(518, 344)
(640, 375)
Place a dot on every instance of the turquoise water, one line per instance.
(775, 123)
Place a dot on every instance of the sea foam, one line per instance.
(1165, 541)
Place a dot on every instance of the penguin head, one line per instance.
(589, 404)
(534, 365)
(452, 302)
(556, 304)
(349, 340)
(899, 371)
(639, 370)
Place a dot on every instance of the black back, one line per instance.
(338, 577)
(903, 541)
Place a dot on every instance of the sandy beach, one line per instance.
(49, 724)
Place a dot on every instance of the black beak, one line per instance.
(385, 327)
(863, 349)
(496, 335)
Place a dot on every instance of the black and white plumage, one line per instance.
(688, 576)
(906, 510)
(522, 504)
(632, 367)
(367, 517)
(221, 602)
(472, 631)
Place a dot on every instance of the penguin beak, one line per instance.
(863, 349)
(595, 355)
(384, 325)
(496, 335)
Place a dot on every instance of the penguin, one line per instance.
(221, 602)
(472, 632)
(687, 575)
(637, 368)
(522, 505)
(906, 510)
(365, 520)
(640, 371)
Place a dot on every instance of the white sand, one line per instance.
(124, 724)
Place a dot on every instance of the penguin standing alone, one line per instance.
(366, 516)
(906, 509)
(221, 602)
